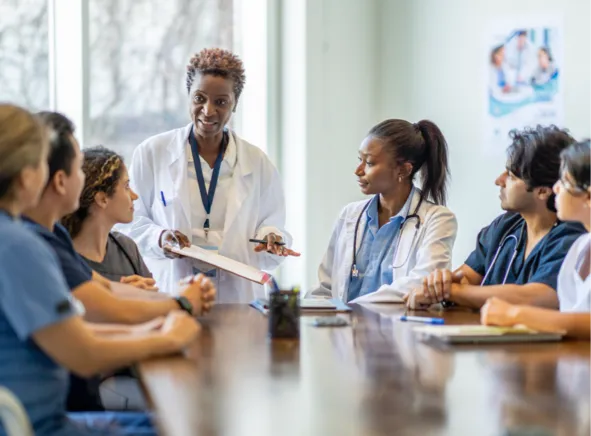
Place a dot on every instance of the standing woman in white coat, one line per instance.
(382, 248)
(203, 185)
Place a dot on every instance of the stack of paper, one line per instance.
(224, 263)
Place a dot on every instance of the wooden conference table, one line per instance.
(372, 378)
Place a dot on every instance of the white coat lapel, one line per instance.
(408, 236)
(177, 167)
(242, 183)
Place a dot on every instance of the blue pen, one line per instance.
(423, 319)
(273, 283)
(162, 197)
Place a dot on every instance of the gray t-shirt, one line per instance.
(121, 260)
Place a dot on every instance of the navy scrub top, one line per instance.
(543, 263)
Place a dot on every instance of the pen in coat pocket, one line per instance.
(162, 197)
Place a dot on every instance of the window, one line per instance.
(138, 54)
(24, 53)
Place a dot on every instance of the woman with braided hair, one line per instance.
(107, 200)
(203, 185)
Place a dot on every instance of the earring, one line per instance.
(399, 179)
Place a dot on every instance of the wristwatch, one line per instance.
(185, 304)
(446, 304)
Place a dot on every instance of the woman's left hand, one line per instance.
(273, 248)
(136, 281)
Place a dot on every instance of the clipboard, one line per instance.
(475, 334)
(224, 263)
(335, 306)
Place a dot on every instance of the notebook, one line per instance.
(471, 334)
(224, 263)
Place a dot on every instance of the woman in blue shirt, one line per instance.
(42, 334)
(381, 248)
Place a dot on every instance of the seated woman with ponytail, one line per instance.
(105, 201)
(382, 248)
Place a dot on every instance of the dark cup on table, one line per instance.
(284, 315)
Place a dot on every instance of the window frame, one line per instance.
(69, 68)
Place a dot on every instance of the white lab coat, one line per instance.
(431, 249)
(256, 207)
(574, 292)
(524, 59)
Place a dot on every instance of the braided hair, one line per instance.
(102, 168)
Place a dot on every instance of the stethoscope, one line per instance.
(124, 251)
(407, 218)
(506, 237)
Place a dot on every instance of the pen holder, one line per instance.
(284, 315)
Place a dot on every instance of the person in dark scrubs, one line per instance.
(518, 256)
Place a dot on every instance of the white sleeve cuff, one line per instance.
(267, 230)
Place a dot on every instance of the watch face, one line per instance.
(185, 305)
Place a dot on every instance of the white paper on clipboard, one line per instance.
(224, 263)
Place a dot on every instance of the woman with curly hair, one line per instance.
(107, 200)
(203, 185)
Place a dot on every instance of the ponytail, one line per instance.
(423, 146)
(435, 170)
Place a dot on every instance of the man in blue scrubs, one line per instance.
(518, 256)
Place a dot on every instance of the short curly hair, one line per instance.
(217, 62)
(103, 168)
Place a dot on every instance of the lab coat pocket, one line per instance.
(164, 209)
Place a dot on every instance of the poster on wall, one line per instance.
(525, 78)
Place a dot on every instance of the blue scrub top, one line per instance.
(376, 253)
(74, 267)
(33, 296)
(84, 393)
(543, 263)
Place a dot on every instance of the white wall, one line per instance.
(348, 64)
(431, 68)
(329, 92)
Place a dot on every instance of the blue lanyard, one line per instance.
(207, 196)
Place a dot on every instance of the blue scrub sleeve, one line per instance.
(33, 291)
(74, 267)
(477, 259)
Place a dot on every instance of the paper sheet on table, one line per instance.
(473, 330)
(224, 263)
(482, 333)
